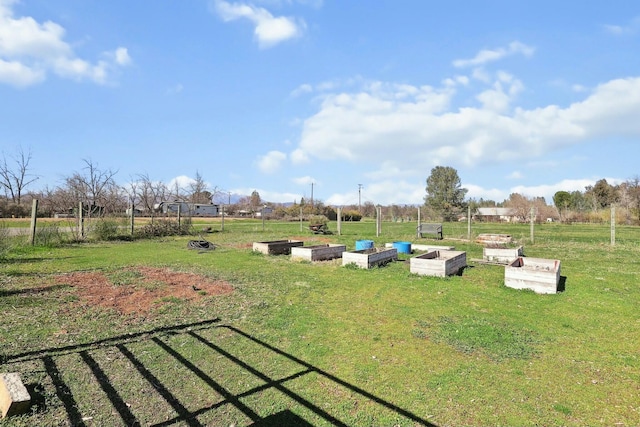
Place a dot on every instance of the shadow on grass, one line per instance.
(236, 402)
(29, 261)
(32, 291)
(562, 284)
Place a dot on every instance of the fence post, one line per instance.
(469, 223)
(81, 220)
(613, 225)
(133, 214)
(34, 215)
(533, 209)
(339, 221)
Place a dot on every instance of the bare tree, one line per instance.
(519, 205)
(633, 190)
(95, 187)
(150, 193)
(176, 192)
(16, 179)
(199, 190)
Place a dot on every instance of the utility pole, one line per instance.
(312, 197)
(359, 198)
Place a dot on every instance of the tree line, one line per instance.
(96, 189)
(446, 199)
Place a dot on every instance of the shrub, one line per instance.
(5, 242)
(318, 220)
(351, 215)
(106, 229)
(165, 227)
(49, 236)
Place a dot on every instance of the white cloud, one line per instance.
(544, 190)
(269, 30)
(477, 192)
(269, 196)
(491, 55)
(18, 74)
(515, 175)
(271, 161)
(304, 180)
(29, 49)
(302, 89)
(621, 30)
(548, 190)
(178, 88)
(299, 156)
(384, 192)
(121, 56)
(416, 127)
(182, 182)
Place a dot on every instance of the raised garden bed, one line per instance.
(537, 274)
(501, 255)
(368, 258)
(438, 263)
(495, 240)
(276, 247)
(318, 252)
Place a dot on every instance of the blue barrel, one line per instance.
(402, 247)
(363, 244)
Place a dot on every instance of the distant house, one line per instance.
(266, 210)
(496, 214)
(87, 210)
(193, 209)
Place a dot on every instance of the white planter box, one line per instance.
(537, 274)
(501, 255)
(317, 253)
(276, 247)
(438, 263)
(368, 258)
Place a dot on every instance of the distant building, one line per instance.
(193, 209)
(495, 214)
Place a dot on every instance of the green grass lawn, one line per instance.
(299, 343)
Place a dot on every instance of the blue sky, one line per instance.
(282, 96)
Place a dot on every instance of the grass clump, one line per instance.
(106, 229)
(49, 236)
(472, 334)
(5, 241)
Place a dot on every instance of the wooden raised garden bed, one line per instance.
(495, 240)
(438, 263)
(318, 252)
(276, 247)
(501, 255)
(537, 274)
(368, 258)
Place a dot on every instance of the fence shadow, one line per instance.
(32, 291)
(203, 334)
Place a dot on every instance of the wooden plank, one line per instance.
(14, 397)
